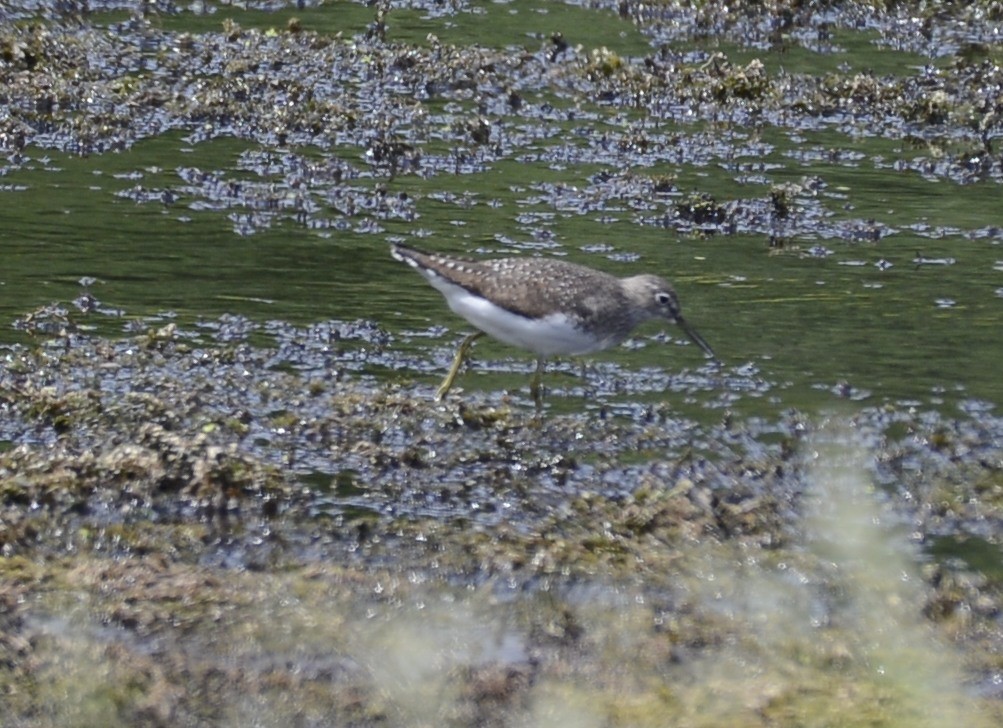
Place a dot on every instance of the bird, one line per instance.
(548, 306)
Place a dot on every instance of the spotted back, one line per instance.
(530, 287)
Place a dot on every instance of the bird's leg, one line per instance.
(461, 354)
(534, 386)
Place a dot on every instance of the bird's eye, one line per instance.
(663, 298)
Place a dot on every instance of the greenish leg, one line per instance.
(535, 387)
(447, 383)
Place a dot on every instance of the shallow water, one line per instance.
(878, 277)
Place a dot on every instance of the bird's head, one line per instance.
(658, 298)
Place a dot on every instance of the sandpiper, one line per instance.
(548, 306)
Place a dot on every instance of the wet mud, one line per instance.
(223, 530)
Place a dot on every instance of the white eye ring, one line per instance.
(663, 297)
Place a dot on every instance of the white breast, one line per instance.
(552, 335)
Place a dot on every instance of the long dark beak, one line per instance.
(696, 338)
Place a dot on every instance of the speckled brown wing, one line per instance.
(537, 287)
(532, 287)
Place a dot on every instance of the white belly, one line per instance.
(552, 335)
